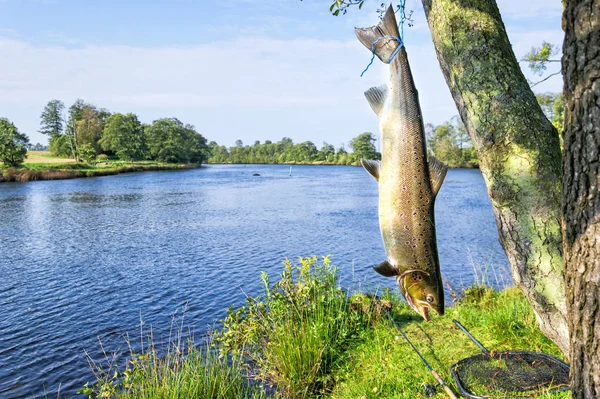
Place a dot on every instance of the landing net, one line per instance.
(510, 374)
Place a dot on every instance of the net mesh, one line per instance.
(510, 374)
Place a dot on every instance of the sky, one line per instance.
(235, 69)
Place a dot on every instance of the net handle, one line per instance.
(483, 349)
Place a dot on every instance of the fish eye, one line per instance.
(429, 298)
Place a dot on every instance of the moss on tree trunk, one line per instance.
(581, 204)
(517, 147)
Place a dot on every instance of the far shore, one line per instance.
(41, 165)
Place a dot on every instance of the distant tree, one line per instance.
(363, 147)
(239, 143)
(326, 153)
(196, 145)
(51, 120)
(88, 153)
(71, 131)
(39, 147)
(123, 135)
(89, 128)
(553, 106)
(13, 145)
(170, 141)
(538, 59)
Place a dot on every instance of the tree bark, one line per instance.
(517, 147)
(581, 204)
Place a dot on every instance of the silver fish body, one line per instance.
(408, 178)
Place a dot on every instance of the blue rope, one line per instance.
(398, 39)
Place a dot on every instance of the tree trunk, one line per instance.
(517, 147)
(581, 204)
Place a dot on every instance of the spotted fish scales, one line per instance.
(408, 178)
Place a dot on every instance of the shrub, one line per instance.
(13, 145)
(297, 330)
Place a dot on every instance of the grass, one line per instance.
(45, 157)
(41, 165)
(304, 337)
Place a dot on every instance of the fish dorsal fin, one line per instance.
(386, 269)
(376, 97)
(372, 167)
(437, 173)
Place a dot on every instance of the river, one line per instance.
(83, 261)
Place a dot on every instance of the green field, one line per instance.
(41, 165)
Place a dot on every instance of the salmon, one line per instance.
(408, 178)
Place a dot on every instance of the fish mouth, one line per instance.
(425, 313)
(423, 310)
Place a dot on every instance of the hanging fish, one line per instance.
(409, 179)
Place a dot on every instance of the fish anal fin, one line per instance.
(386, 269)
(376, 97)
(437, 173)
(372, 167)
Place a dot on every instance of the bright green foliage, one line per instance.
(13, 145)
(326, 153)
(89, 129)
(88, 153)
(309, 338)
(450, 142)
(170, 141)
(51, 120)
(553, 106)
(297, 331)
(124, 136)
(186, 372)
(75, 114)
(60, 146)
(284, 151)
(363, 146)
(539, 57)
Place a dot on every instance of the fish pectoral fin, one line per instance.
(437, 173)
(372, 167)
(386, 269)
(376, 97)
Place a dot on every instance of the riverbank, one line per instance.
(72, 170)
(305, 337)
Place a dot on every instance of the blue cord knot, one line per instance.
(399, 39)
(391, 57)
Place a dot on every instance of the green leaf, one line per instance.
(336, 12)
(331, 8)
(360, 4)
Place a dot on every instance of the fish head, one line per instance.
(422, 292)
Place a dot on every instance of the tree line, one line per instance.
(88, 131)
(448, 141)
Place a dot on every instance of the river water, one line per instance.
(83, 261)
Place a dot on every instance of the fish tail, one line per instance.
(383, 39)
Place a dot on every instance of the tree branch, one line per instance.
(545, 79)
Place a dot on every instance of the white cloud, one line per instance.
(253, 87)
(318, 81)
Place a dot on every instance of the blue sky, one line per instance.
(236, 69)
